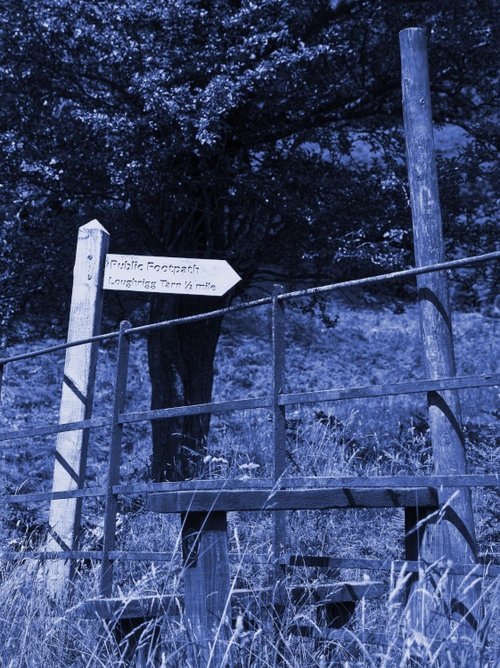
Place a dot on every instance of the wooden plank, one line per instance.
(186, 485)
(294, 499)
(351, 482)
(76, 399)
(144, 607)
(325, 561)
(388, 482)
(197, 409)
(453, 537)
(379, 482)
(38, 430)
(206, 585)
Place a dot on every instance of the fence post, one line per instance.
(76, 400)
(114, 460)
(451, 538)
(207, 586)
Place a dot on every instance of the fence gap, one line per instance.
(110, 511)
(76, 401)
(452, 538)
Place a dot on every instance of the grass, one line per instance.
(386, 436)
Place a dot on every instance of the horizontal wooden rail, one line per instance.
(267, 486)
(42, 555)
(48, 430)
(132, 607)
(196, 409)
(336, 593)
(335, 394)
(257, 500)
(370, 280)
(353, 482)
(344, 637)
(94, 555)
(483, 568)
(150, 606)
(32, 497)
(373, 391)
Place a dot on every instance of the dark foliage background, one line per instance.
(266, 133)
(255, 131)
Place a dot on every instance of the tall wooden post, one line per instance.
(76, 400)
(451, 538)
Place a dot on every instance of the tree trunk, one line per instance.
(181, 362)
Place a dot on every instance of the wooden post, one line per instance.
(452, 538)
(207, 586)
(76, 400)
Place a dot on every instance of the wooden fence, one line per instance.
(213, 498)
(438, 505)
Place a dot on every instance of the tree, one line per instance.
(226, 129)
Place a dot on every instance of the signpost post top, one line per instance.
(176, 275)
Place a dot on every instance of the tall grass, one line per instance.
(371, 437)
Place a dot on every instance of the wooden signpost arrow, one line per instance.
(175, 275)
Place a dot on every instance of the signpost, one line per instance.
(175, 275)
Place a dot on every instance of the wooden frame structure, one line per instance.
(204, 503)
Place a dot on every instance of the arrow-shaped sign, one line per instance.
(177, 275)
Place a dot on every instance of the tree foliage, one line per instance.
(254, 130)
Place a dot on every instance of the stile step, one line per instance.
(144, 607)
(150, 607)
(176, 501)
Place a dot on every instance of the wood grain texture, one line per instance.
(145, 607)
(453, 538)
(76, 398)
(207, 598)
(291, 499)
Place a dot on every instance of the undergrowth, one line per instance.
(370, 437)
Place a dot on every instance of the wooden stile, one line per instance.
(454, 536)
(76, 400)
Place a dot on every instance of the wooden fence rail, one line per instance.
(276, 494)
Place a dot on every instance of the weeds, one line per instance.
(374, 437)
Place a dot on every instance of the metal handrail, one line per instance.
(276, 402)
(359, 282)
